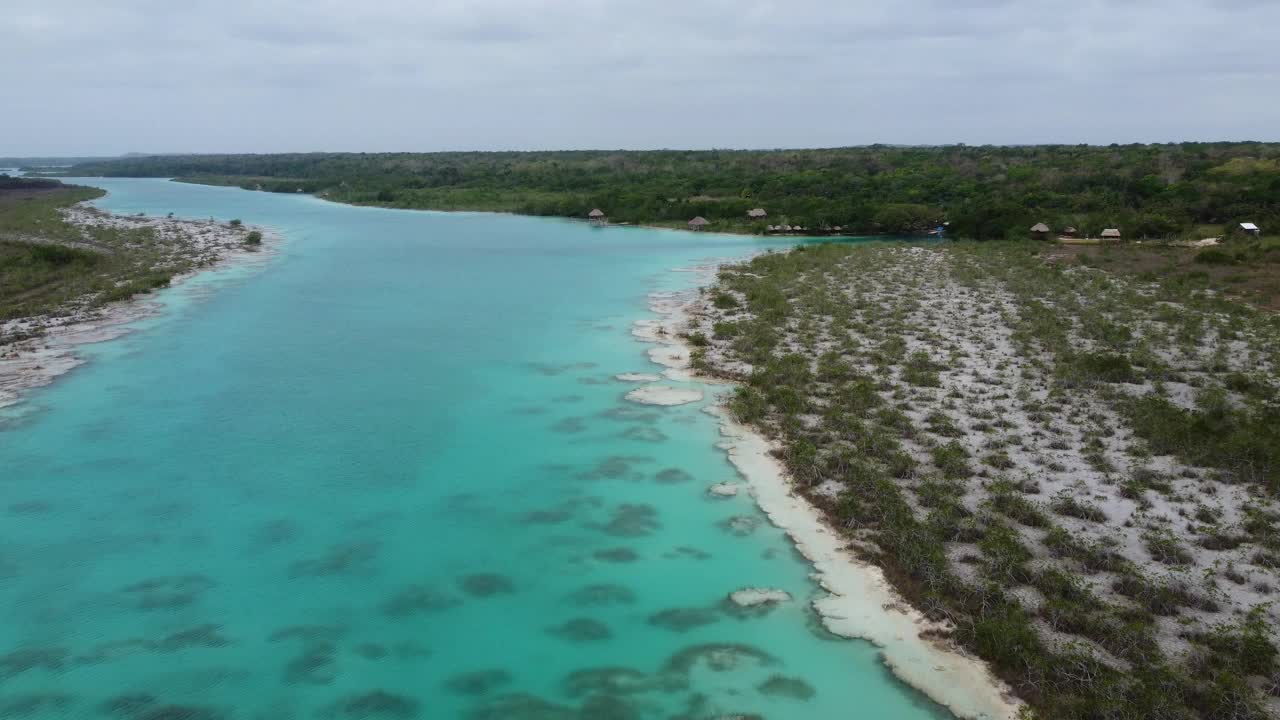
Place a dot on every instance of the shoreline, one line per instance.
(607, 225)
(860, 603)
(34, 362)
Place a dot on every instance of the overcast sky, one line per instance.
(93, 77)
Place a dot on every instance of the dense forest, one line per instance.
(984, 192)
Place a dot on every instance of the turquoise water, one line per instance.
(390, 474)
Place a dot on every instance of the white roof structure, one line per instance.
(1248, 226)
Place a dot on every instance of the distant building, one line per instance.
(1249, 228)
(1040, 231)
(698, 223)
(757, 214)
(1111, 234)
(597, 217)
(1069, 232)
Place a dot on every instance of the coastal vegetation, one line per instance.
(1076, 470)
(1154, 191)
(60, 261)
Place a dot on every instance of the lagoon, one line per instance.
(390, 472)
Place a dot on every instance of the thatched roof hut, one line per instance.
(1111, 234)
(1039, 228)
(757, 214)
(1069, 231)
(698, 223)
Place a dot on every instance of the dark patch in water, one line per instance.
(24, 659)
(739, 525)
(345, 559)
(570, 425)
(521, 706)
(608, 707)
(631, 414)
(616, 555)
(548, 370)
(632, 520)
(545, 517)
(602, 595)
(719, 657)
(31, 507)
(28, 704)
(316, 665)
(418, 599)
(595, 381)
(376, 704)
(115, 650)
(309, 633)
(207, 636)
(568, 398)
(645, 434)
(615, 467)
(684, 551)
(683, 619)
(787, 687)
(372, 651)
(671, 476)
(582, 630)
(478, 682)
(483, 585)
(128, 704)
(180, 712)
(530, 410)
(168, 592)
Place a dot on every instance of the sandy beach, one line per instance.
(861, 603)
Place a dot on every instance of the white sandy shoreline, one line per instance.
(37, 361)
(861, 602)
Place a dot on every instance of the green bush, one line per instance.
(1215, 256)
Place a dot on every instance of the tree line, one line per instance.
(984, 192)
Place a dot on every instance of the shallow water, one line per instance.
(390, 474)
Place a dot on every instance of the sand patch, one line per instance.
(664, 395)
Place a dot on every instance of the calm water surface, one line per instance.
(390, 474)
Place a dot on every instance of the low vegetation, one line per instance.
(1078, 469)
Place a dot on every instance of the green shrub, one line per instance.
(1215, 256)
(952, 460)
